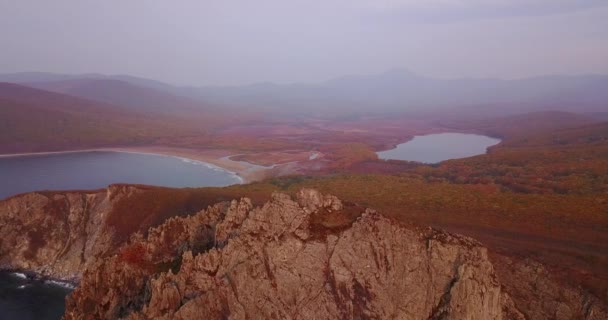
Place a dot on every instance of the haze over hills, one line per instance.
(35, 120)
(325, 114)
(536, 199)
(33, 77)
(394, 91)
(523, 125)
(403, 91)
(403, 159)
(124, 93)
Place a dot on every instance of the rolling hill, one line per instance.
(37, 120)
(521, 126)
(126, 94)
(394, 91)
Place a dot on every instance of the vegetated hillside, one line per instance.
(39, 77)
(571, 135)
(541, 153)
(545, 203)
(40, 120)
(37, 120)
(24, 77)
(123, 93)
(520, 126)
(238, 131)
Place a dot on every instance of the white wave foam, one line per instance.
(19, 275)
(66, 285)
(201, 163)
(191, 161)
(212, 167)
(23, 286)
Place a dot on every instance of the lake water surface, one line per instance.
(434, 148)
(98, 169)
(22, 298)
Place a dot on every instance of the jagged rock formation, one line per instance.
(57, 234)
(540, 295)
(316, 258)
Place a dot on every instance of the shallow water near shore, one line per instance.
(24, 299)
(98, 169)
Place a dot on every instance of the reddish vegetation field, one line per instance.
(34, 120)
(541, 193)
(542, 197)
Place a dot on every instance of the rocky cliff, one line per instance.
(314, 257)
(57, 234)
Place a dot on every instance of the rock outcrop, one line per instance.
(540, 295)
(317, 258)
(57, 234)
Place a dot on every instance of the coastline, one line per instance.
(244, 171)
(31, 275)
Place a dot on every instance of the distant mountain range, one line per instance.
(395, 91)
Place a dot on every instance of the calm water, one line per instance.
(434, 148)
(25, 299)
(30, 299)
(98, 169)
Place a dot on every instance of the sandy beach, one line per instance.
(220, 158)
(247, 171)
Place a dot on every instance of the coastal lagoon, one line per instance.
(22, 298)
(434, 148)
(98, 169)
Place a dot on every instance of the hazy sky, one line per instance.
(242, 41)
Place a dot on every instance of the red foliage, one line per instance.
(134, 254)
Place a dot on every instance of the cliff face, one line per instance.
(57, 234)
(316, 258)
(541, 295)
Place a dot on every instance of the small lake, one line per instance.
(98, 169)
(434, 148)
(22, 298)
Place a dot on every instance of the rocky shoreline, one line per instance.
(32, 276)
(309, 257)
